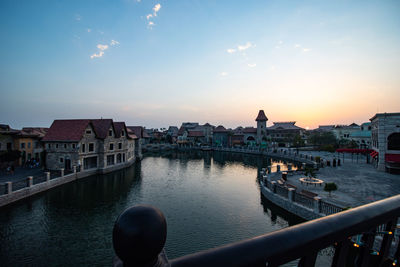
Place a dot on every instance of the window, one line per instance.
(56, 145)
(110, 133)
(49, 146)
(29, 144)
(61, 160)
(83, 148)
(36, 144)
(65, 145)
(111, 146)
(119, 145)
(123, 133)
(73, 146)
(22, 145)
(394, 141)
(88, 131)
(110, 160)
(91, 147)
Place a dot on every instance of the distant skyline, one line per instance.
(161, 63)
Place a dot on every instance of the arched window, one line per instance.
(250, 138)
(394, 141)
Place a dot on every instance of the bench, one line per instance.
(291, 186)
(308, 193)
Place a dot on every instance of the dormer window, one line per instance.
(110, 133)
(123, 133)
(88, 131)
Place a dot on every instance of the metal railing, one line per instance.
(304, 200)
(139, 237)
(329, 208)
(282, 191)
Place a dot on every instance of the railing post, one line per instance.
(139, 237)
(47, 176)
(273, 183)
(74, 168)
(29, 181)
(278, 168)
(8, 186)
(291, 194)
(317, 204)
(62, 172)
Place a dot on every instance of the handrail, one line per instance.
(301, 241)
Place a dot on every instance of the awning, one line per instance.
(374, 154)
(394, 158)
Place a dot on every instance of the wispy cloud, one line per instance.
(297, 46)
(252, 65)
(100, 54)
(155, 9)
(224, 73)
(102, 47)
(89, 30)
(306, 50)
(240, 48)
(113, 42)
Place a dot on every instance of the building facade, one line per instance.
(385, 141)
(99, 144)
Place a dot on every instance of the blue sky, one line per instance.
(158, 63)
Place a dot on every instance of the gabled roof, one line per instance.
(119, 126)
(101, 127)
(66, 130)
(38, 132)
(250, 130)
(139, 131)
(195, 133)
(220, 129)
(181, 131)
(290, 125)
(261, 116)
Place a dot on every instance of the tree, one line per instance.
(329, 187)
(310, 172)
(298, 141)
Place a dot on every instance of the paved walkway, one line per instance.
(358, 184)
(19, 174)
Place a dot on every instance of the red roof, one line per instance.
(119, 126)
(392, 158)
(261, 116)
(195, 134)
(220, 129)
(138, 131)
(66, 130)
(101, 127)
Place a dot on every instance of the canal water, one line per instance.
(209, 199)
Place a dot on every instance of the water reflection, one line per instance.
(209, 199)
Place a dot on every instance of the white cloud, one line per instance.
(252, 65)
(100, 54)
(280, 42)
(102, 47)
(224, 73)
(149, 16)
(113, 42)
(297, 46)
(306, 50)
(156, 8)
(231, 50)
(245, 47)
(89, 30)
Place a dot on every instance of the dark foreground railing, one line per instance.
(140, 232)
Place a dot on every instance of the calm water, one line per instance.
(208, 200)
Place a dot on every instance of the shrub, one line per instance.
(329, 187)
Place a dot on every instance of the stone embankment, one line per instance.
(34, 185)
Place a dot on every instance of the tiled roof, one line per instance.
(119, 126)
(195, 134)
(261, 116)
(290, 125)
(66, 130)
(250, 130)
(181, 130)
(101, 127)
(220, 129)
(139, 131)
(38, 132)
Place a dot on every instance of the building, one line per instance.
(29, 142)
(261, 127)
(7, 138)
(363, 136)
(385, 141)
(220, 136)
(343, 132)
(283, 133)
(141, 139)
(101, 144)
(250, 136)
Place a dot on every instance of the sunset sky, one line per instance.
(159, 63)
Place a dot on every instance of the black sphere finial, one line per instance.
(139, 235)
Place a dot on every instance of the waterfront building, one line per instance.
(192, 132)
(29, 142)
(141, 138)
(98, 144)
(7, 138)
(385, 129)
(261, 127)
(343, 132)
(283, 133)
(250, 136)
(220, 136)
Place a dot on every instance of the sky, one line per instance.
(161, 63)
